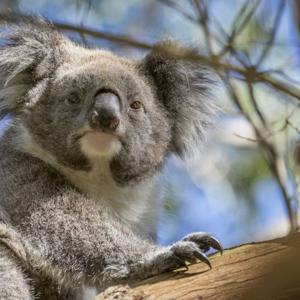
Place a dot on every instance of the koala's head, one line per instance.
(82, 105)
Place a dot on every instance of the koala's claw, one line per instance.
(180, 262)
(188, 251)
(204, 241)
(201, 256)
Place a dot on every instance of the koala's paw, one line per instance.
(156, 260)
(190, 249)
(193, 247)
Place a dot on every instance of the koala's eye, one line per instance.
(136, 105)
(73, 99)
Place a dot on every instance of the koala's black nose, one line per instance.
(106, 112)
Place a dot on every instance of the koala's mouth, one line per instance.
(96, 142)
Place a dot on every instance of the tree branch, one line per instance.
(267, 270)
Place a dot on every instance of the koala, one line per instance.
(81, 159)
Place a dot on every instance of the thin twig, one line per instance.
(203, 21)
(178, 8)
(255, 105)
(275, 27)
(237, 30)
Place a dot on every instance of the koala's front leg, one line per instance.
(74, 242)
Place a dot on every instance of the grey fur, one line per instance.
(73, 219)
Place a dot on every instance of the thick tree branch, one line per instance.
(267, 270)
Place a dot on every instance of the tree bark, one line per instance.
(265, 270)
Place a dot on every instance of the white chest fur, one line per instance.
(137, 204)
(132, 203)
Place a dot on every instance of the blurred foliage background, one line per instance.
(245, 185)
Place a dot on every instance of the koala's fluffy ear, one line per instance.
(28, 54)
(184, 87)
